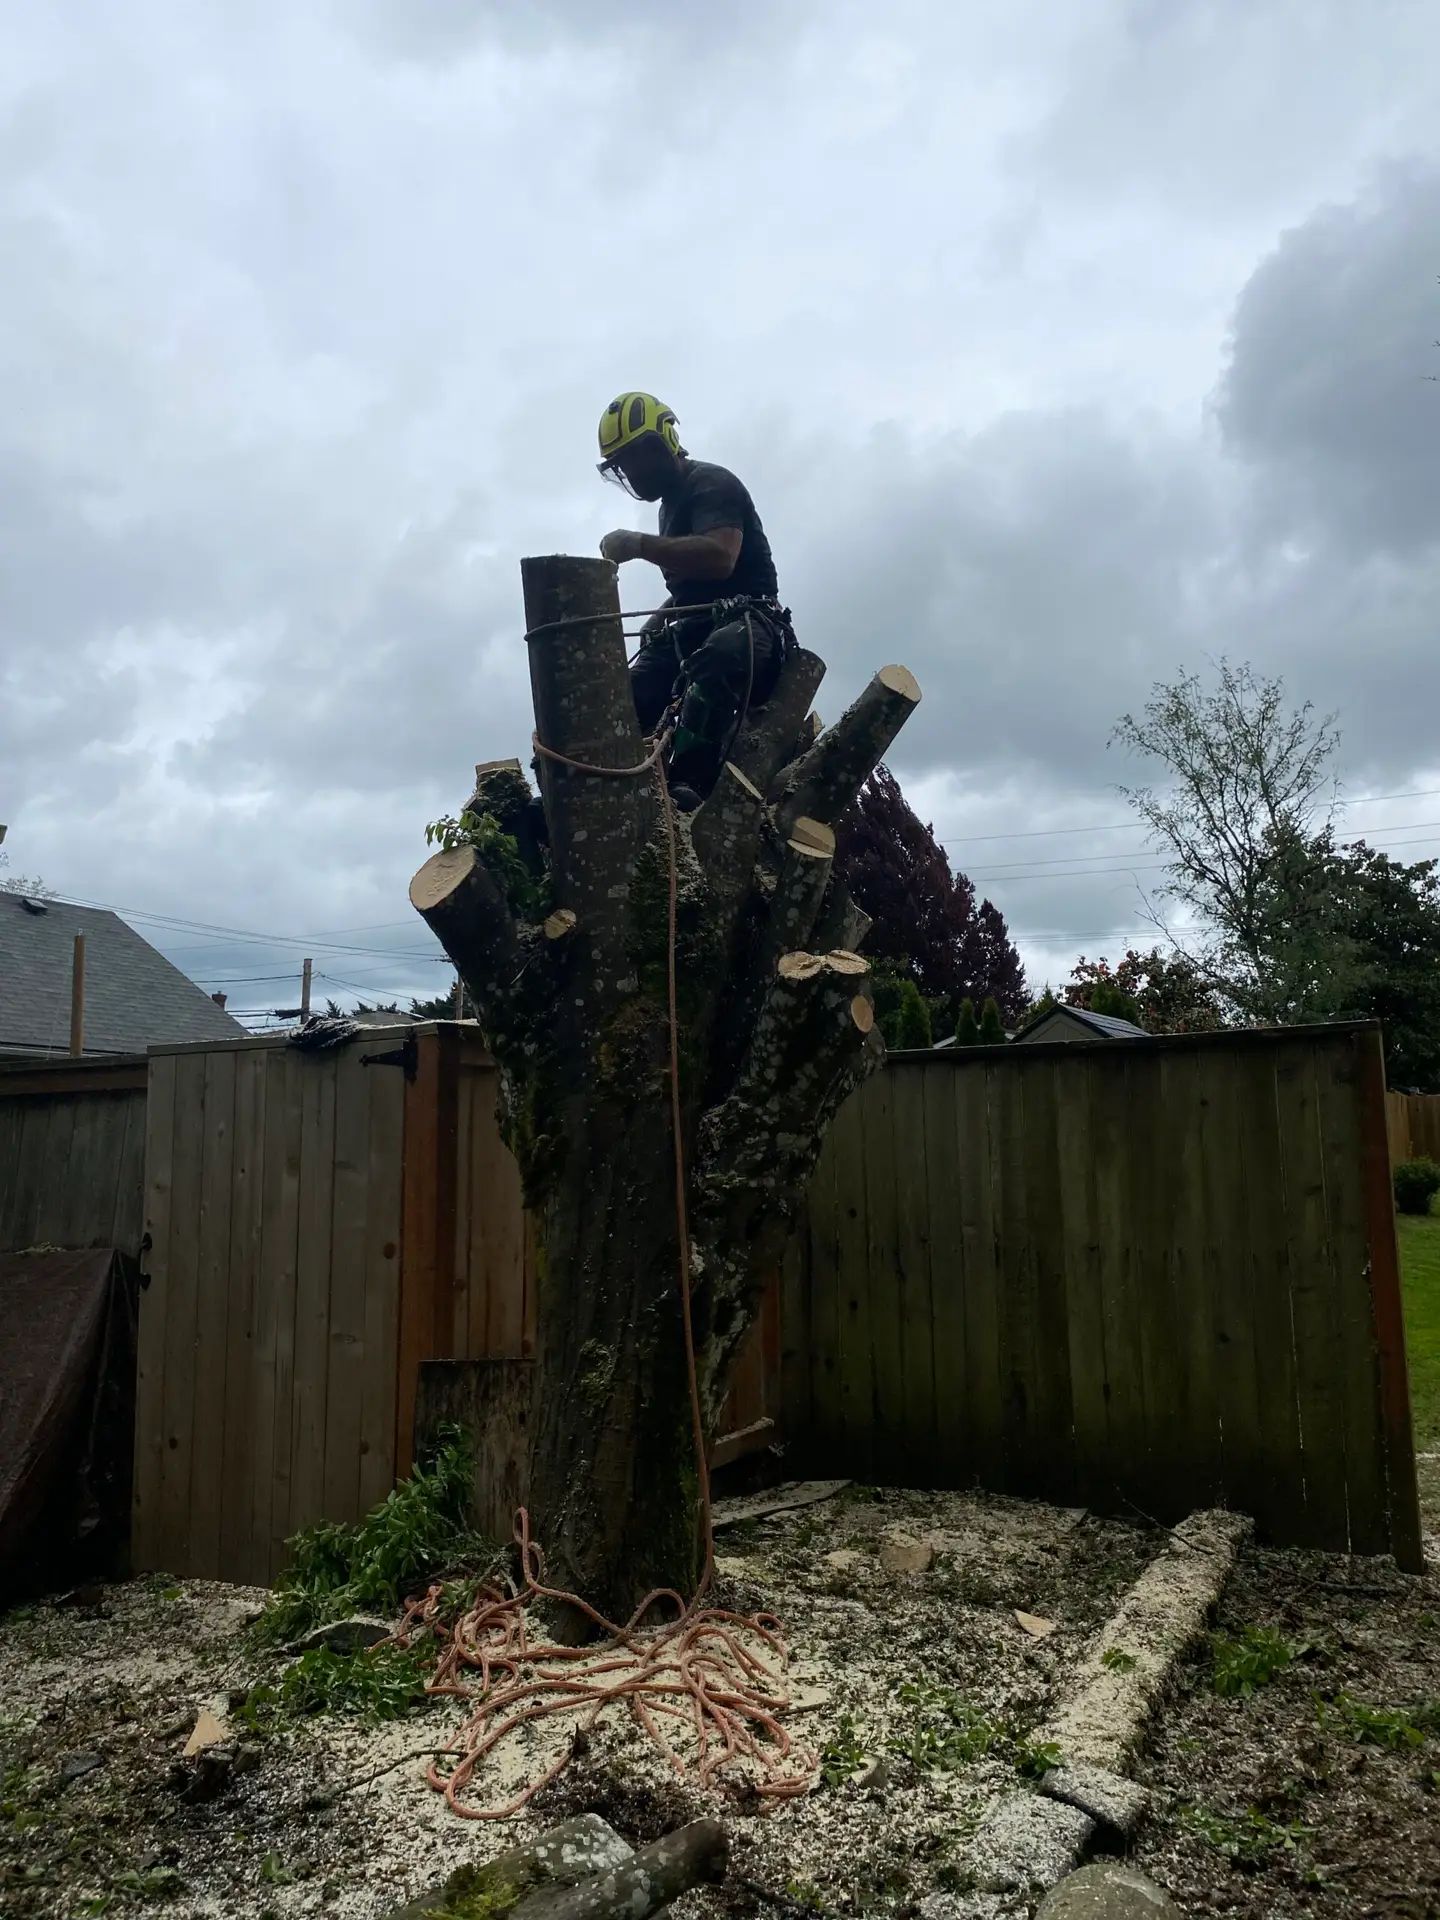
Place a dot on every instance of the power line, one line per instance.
(1130, 826)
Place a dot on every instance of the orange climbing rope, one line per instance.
(718, 1673)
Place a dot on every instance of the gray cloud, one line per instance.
(308, 323)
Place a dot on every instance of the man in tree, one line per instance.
(722, 637)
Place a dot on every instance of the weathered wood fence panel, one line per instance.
(72, 1143)
(1144, 1278)
(267, 1371)
(1414, 1120)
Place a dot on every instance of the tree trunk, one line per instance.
(565, 952)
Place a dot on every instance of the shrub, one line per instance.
(912, 1024)
(1240, 1666)
(1416, 1182)
(992, 1027)
(967, 1027)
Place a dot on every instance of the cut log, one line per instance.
(459, 899)
(655, 1876)
(576, 1850)
(827, 779)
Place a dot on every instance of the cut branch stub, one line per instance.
(460, 901)
(827, 778)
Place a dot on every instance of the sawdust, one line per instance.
(291, 1834)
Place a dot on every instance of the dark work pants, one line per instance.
(716, 668)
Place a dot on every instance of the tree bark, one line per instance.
(565, 951)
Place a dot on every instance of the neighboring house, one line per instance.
(134, 998)
(1078, 1023)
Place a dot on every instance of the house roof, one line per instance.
(133, 996)
(1104, 1026)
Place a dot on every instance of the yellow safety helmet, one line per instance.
(630, 418)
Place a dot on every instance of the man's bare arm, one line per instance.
(700, 556)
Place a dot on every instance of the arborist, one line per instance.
(717, 646)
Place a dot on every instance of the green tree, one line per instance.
(1391, 917)
(967, 1027)
(1164, 993)
(1047, 1003)
(992, 1027)
(912, 1019)
(1242, 822)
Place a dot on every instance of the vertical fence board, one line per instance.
(1127, 1452)
(285, 1083)
(1319, 1365)
(146, 1538)
(822, 1292)
(1227, 1269)
(1366, 1492)
(312, 1287)
(888, 1291)
(50, 1206)
(944, 1175)
(856, 1352)
(1281, 1488)
(215, 1297)
(237, 1465)
(1184, 1136)
(1084, 1298)
(983, 1281)
(345, 1359)
(382, 1289)
(909, 1153)
(794, 1332)
(1052, 1422)
(1165, 1388)
(181, 1309)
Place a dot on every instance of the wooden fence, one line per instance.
(1414, 1120)
(1143, 1278)
(72, 1142)
(320, 1223)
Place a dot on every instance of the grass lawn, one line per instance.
(1420, 1275)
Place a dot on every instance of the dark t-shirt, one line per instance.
(709, 497)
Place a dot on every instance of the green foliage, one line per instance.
(420, 1529)
(1118, 1661)
(945, 1731)
(1416, 1184)
(1397, 1729)
(1047, 1003)
(844, 1754)
(374, 1684)
(274, 1872)
(500, 854)
(1035, 1758)
(912, 1024)
(1238, 1667)
(992, 1027)
(1164, 993)
(967, 1027)
(1248, 1839)
(1420, 1273)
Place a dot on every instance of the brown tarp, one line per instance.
(67, 1395)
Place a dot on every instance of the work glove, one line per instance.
(620, 546)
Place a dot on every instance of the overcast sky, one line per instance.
(1061, 343)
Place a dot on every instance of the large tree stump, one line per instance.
(565, 953)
